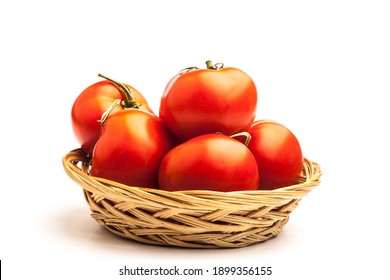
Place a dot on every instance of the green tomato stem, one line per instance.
(128, 100)
(214, 66)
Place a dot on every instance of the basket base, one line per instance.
(124, 226)
(200, 241)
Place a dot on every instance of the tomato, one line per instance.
(202, 101)
(94, 101)
(209, 162)
(131, 147)
(278, 154)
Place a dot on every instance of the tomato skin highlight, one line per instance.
(209, 162)
(278, 154)
(89, 106)
(203, 101)
(131, 147)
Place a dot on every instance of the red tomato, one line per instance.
(209, 162)
(131, 147)
(277, 152)
(93, 102)
(201, 101)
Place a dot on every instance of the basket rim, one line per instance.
(312, 174)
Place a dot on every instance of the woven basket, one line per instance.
(193, 219)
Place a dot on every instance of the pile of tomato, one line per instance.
(204, 137)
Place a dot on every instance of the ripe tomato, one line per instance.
(277, 152)
(131, 147)
(201, 101)
(94, 101)
(209, 162)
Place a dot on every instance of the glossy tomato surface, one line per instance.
(201, 101)
(131, 147)
(277, 152)
(89, 106)
(209, 162)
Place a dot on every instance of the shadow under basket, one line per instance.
(192, 219)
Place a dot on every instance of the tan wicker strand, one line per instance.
(192, 219)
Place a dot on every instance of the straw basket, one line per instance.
(193, 219)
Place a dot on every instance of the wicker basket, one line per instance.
(193, 219)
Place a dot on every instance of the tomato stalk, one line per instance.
(214, 66)
(128, 100)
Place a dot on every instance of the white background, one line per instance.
(322, 68)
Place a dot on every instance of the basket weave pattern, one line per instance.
(193, 219)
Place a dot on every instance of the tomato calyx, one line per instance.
(237, 136)
(128, 100)
(108, 111)
(209, 64)
(187, 69)
(242, 134)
